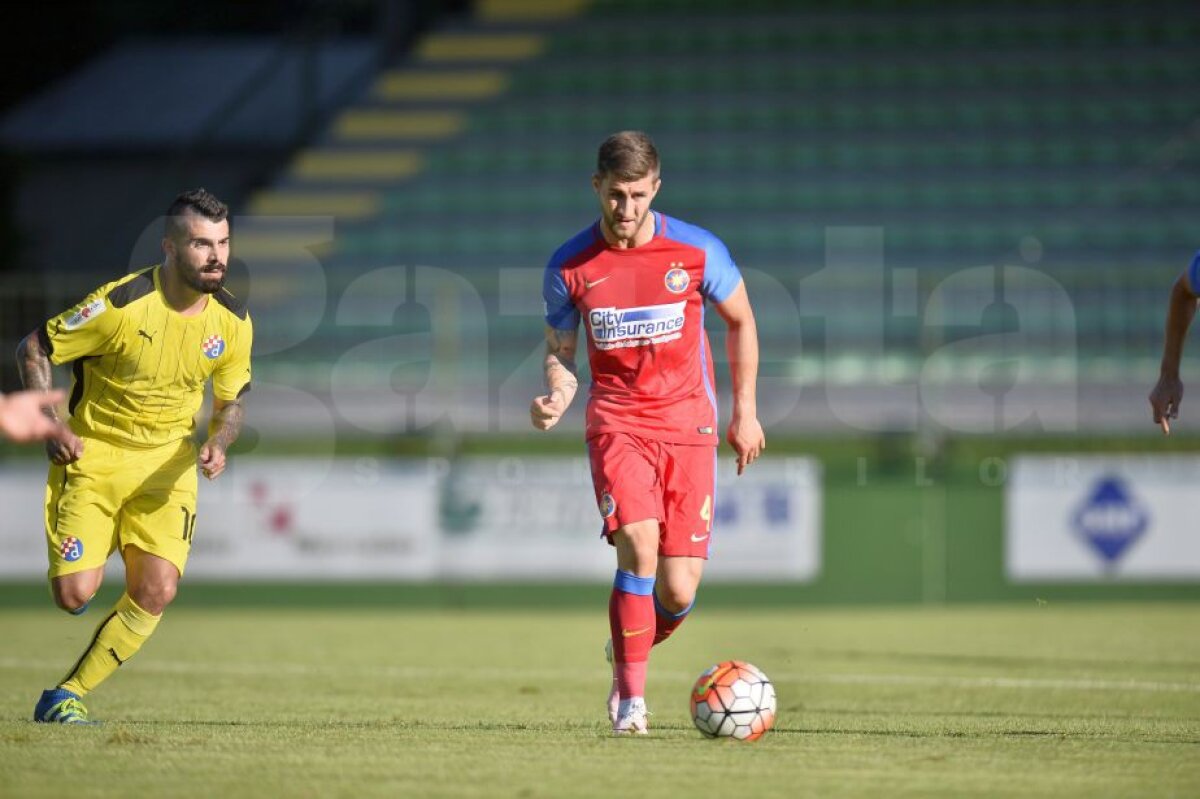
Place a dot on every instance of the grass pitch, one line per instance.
(1037, 700)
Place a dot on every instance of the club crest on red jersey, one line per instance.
(676, 278)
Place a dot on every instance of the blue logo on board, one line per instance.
(1111, 519)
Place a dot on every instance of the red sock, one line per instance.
(631, 618)
(667, 622)
(631, 679)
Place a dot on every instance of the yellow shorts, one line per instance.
(114, 497)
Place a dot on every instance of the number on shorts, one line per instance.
(706, 513)
(189, 524)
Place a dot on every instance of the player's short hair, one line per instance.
(627, 156)
(194, 201)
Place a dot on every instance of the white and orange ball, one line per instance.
(733, 700)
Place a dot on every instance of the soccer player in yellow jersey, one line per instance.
(123, 469)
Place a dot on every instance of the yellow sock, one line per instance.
(117, 639)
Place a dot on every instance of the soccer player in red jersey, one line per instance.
(638, 280)
(1181, 309)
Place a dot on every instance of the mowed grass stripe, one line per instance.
(967, 701)
(574, 675)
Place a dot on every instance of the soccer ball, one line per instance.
(733, 700)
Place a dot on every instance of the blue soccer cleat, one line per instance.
(60, 706)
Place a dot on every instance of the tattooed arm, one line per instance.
(223, 430)
(561, 382)
(33, 364)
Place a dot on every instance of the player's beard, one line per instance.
(198, 281)
(614, 226)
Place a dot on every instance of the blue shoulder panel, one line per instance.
(721, 275)
(1194, 274)
(560, 312)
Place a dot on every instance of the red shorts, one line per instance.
(639, 478)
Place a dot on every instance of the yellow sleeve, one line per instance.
(93, 327)
(232, 378)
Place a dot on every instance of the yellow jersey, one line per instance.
(140, 366)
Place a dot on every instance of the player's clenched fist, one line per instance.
(64, 446)
(545, 411)
(212, 460)
(1165, 399)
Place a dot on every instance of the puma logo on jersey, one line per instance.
(148, 336)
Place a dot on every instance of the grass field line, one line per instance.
(252, 669)
(1055, 684)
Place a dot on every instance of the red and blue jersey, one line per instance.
(643, 312)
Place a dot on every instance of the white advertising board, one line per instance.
(537, 518)
(1103, 518)
(273, 518)
(515, 518)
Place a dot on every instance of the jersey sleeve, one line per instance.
(1193, 274)
(231, 379)
(721, 275)
(93, 327)
(560, 310)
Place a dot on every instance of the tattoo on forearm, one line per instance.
(559, 364)
(35, 369)
(226, 426)
(560, 372)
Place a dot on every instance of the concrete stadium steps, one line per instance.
(944, 26)
(549, 156)
(737, 113)
(524, 11)
(840, 368)
(807, 71)
(381, 139)
(906, 197)
(843, 317)
(1000, 9)
(501, 234)
(1020, 134)
(385, 166)
(415, 85)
